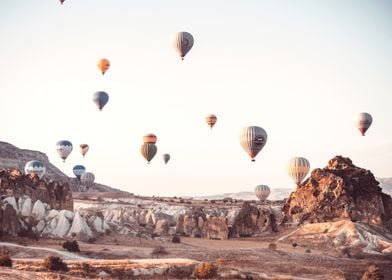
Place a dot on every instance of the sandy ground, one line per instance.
(248, 256)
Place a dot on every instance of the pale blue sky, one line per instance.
(302, 70)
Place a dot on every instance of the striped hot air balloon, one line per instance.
(87, 179)
(298, 168)
(253, 139)
(78, 170)
(103, 65)
(363, 122)
(100, 98)
(166, 158)
(84, 149)
(211, 120)
(262, 192)
(148, 151)
(35, 167)
(150, 138)
(182, 43)
(64, 148)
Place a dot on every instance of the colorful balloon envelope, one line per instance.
(84, 149)
(100, 99)
(262, 192)
(64, 148)
(103, 65)
(35, 167)
(87, 179)
(166, 158)
(211, 120)
(78, 170)
(148, 151)
(298, 168)
(253, 139)
(150, 138)
(182, 43)
(363, 122)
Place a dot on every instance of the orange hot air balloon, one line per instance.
(103, 65)
(84, 149)
(150, 138)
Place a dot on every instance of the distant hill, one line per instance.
(386, 185)
(13, 157)
(276, 194)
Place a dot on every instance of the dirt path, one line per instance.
(67, 255)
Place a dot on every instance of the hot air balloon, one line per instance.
(87, 179)
(182, 43)
(298, 168)
(100, 98)
(148, 151)
(253, 139)
(84, 149)
(166, 158)
(150, 138)
(78, 170)
(262, 192)
(103, 65)
(211, 120)
(62, 1)
(363, 122)
(35, 167)
(64, 148)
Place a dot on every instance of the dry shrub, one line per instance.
(206, 271)
(5, 260)
(71, 246)
(54, 263)
(294, 244)
(308, 251)
(372, 273)
(176, 239)
(272, 246)
(159, 250)
(220, 262)
(29, 233)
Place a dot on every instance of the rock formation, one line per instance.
(12, 157)
(341, 190)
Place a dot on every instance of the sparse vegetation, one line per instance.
(71, 246)
(372, 273)
(108, 231)
(176, 239)
(272, 246)
(158, 251)
(54, 263)
(294, 244)
(91, 240)
(29, 233)
(5, 259)
(206, 271)
(308, 251)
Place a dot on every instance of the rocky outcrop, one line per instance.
(341, 190)
(12, 157)
(217, 227)
(14, 184)
(9, 221)
(252, 221)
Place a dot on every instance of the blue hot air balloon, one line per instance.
(100, 98)
(78, 170)
(64, 148)
(35, 167)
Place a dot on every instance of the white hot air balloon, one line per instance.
(87, 179)
(363, 122)
(64, 148)
(182, 43)
(253, 139)
(298, 168)
(262, 192)
(35, 167)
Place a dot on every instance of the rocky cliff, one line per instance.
(339, 191)
(12, 157)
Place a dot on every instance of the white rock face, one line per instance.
(11, 200)
(38, 211)
(52, 214)
(39, 227)
(62, 225)
(79, 227)
(68, 214)
(26, 207)
(98, 224)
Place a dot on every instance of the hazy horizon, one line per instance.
(301, 70)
